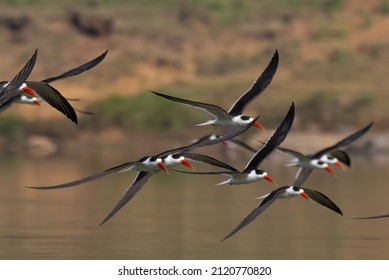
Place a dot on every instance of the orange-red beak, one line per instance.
(29, 91)
(340, 165)
(258, 125)
(267, 178)
(163, 167)
(36, 102)
(329, 170)
(303, 194)
(187, 164)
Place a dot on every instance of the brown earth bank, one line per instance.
(332, 58)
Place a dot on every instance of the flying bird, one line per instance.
(9, 90)
(233, 141)
(338, 158)
(168, 158)
(234, 117)
(160, 161)
(42, 90)
(32, 100)
(324, 157)
(251, 173)
(155, 163)
(285, 192)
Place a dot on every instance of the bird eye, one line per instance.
(260, 172)
(296, 189)
(245, 118)
(330, 157)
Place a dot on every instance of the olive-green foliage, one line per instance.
(341, 56)
(333, 5)
(145, 112)
(11, 127)
(385, 6)
(354, 109)
(329, 109)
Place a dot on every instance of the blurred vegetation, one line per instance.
(341, 56)
(338, 111)
(332, 55)
(11, 127)
(142, 112)
(385, 6)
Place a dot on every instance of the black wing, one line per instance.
(257, 88)
(54, 98)
(275, 140)
(10, 90)
(78, 70)
(344, 142)
(83, 112)
(138, 183)
(214, 110)
(91, 178)
(242, 144)
(208, 141)
(269, 199)
(342, 156)
(128, 164)
(265, 203)
(208, 160)
(383, 216)
(236, 142)
(226, 172)
(293, 153)
(323, 200)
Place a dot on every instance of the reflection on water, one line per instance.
(185, 216)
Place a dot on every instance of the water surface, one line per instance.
(185, 216)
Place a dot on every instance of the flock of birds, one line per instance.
(234, 122)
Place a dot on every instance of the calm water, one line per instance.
(185, 216)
